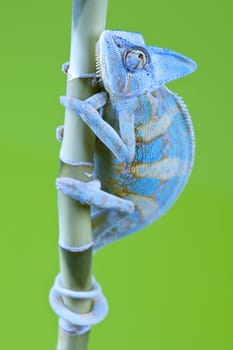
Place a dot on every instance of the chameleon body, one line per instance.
(145, 142)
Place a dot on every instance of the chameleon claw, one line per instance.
(71, 187)
(60, 133)
(64, 100)
(91, 105)
(66, 185)
(67, 102)
(65, 67)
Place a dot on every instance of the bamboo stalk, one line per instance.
(88, 21)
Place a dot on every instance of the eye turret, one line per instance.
(135, 60)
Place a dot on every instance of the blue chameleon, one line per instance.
(145, 141)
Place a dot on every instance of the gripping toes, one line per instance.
(91, 104)
(65, 67)
(59, 133)
(90, 193)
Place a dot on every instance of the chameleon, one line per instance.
(145, 146)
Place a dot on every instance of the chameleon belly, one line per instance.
(159, 171)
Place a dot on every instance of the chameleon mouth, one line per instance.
(108, 63)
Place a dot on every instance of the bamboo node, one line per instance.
(73, 249)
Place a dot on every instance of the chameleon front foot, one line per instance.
(60, 133)
(66, 70)
(89, 111)
(90, 193)
(95, 102)
(65, 67)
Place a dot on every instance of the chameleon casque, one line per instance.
(145, 141)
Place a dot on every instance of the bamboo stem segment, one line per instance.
(88, 21)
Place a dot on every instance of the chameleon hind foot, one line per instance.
(90, 105)
(91, 194)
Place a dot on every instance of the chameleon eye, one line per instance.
(135, 60)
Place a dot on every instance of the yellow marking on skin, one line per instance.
(149, 131)
(137, 64)
(163, 169)
(127, 87)
(146, 205)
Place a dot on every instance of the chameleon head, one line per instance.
(126, 66)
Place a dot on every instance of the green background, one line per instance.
(170, 286)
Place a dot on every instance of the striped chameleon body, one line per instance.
(145, 142)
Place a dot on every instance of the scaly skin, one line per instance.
(145, 141)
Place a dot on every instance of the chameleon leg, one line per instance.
(111, 225)
(90, 193)
(97, 101)
(66, 70)
(103, 222)
(87, 111)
